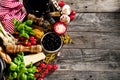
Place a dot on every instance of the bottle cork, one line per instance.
(21, 48)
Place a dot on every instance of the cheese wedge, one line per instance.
(33, 58)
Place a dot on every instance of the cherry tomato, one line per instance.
(49, 66)
(42, 65)
(39, 69)
(28, 44)
(61, 3)
(73, 12)
(72, 17)
(42, 75)
(36, 75)
(32, 38)
(33, 42)
(55, 67)
(46, 71)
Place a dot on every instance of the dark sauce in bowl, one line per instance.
(51, 42)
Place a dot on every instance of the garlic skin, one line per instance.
(7, 38)
(66, 10)
(65, 18)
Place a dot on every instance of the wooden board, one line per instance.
(94, 5)
(84, 75)
(95, 52)
(88, 64)
(95, 22)
(90, 55)
(94, 40)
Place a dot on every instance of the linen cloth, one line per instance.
(10, 9)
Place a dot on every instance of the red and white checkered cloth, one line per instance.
(10, 9)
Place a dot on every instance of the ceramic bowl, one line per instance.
(51, 42)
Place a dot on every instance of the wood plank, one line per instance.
(90, 55)
(94, 5)
(84, 18)
(76, 65)
(107, 40)
(84, 75)
(81, 40)
(107, 55)
(81, 18)
(97, 22)
(104, 16)
(89, 60)
(67, 54)
(94, 40)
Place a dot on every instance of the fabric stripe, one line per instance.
(10, 9)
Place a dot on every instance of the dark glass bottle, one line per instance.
(36, 7)
(40, 8)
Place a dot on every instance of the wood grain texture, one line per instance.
(94, 40)
(89, 60)
(107, 40)
(81, 40)
(89, 55)
(95, 52)
(84, 75)
(95, 22)
(94, 5)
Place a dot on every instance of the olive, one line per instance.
(51, 41)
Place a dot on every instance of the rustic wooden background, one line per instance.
(95, 52)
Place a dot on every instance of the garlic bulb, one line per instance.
(7, 38)
(66, 10)
(65, 18)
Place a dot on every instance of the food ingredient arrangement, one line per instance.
(31, 36)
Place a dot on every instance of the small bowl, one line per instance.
(51, 42)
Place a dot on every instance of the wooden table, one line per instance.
(95, 52)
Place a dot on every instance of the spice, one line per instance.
(60, 28)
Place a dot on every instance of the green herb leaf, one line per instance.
(28, 22)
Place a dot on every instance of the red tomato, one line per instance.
(61, 3)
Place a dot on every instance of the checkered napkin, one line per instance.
(10, 9)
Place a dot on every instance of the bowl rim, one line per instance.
(48, 50)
